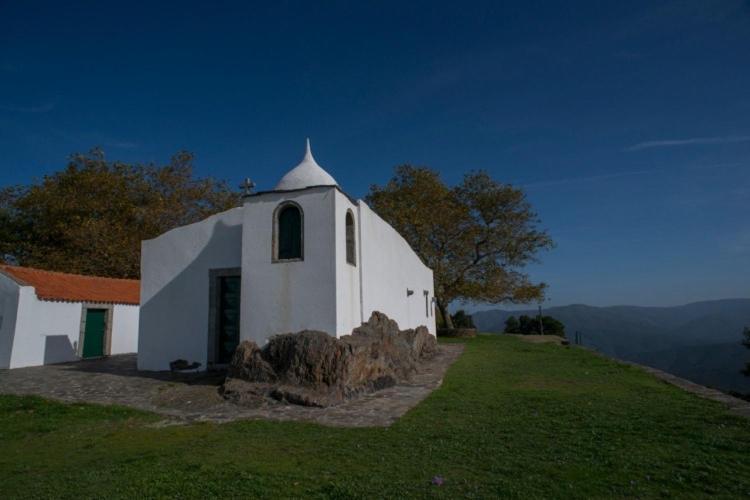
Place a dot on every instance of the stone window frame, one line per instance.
(275, 238)
(353, 260)
(109, 313)
(213, 309)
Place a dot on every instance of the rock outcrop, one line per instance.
(312, 368)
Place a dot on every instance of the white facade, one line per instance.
(175, 292)
(282, 297)
(37, 332)
(321, 290)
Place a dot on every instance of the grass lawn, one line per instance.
(511, 419)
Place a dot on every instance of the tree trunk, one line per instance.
(447, 320)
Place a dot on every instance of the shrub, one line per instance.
(462, 320)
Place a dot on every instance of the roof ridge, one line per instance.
(9, 266)
(57, 285)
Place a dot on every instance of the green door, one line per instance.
(93, 334)
(229, 317)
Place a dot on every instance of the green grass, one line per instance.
(512, 419)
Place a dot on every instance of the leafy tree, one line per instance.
(526, 325)
(512, 325)
(552, 326)
(529, 325)
(7, 236)
(476, 236)
(462, 320)
(91, 217)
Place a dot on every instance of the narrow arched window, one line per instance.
(289, 232)
(351, 242)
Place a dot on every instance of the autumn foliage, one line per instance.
(90, 217)
(476, 236)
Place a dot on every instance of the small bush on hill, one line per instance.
(528, 325)
(462, 320)
(512, 325)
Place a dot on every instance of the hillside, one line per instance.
(511, 419)
(698, 341)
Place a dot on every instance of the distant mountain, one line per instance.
(698, 341)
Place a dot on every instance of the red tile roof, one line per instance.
(51, 285)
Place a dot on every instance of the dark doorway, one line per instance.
(228, 327)
(93, 334)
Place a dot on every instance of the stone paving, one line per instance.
(195, 397)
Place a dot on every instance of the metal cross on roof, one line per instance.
(247, 186)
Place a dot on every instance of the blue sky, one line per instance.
(627, 123)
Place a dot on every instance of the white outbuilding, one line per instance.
(49, 317)
(304, 255)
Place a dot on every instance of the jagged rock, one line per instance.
(421, 342)
(380, 356)
(308, 358)
(312, 368)
(248, 364)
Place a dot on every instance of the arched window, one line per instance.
(289, 232)
(351, 241)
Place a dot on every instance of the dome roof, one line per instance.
(307, 173)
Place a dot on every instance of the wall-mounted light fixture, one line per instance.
(409, 292)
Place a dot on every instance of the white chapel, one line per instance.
(304, 255)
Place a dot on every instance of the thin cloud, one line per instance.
(91, 139)
(688, 142)
(672, 17)
(590, 178)
(628, 173)
(42, 108)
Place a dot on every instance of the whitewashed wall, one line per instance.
(322, 292)
(9, 291)
(389, 268)
(348, 297)
(282, 297)
(174, 288)
(46, 332)
(124, 329)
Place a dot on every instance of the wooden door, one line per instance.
(229, 317)
(93, 334)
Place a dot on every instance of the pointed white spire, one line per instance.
(307, 173)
